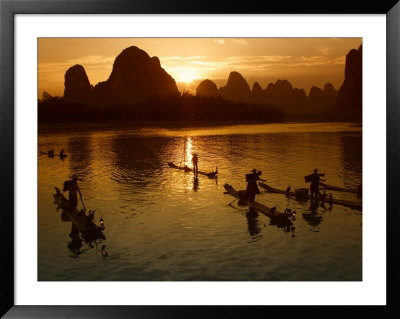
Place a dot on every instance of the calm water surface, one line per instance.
(161, 226)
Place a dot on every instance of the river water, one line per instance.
(162, 225)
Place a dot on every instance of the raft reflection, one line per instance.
(252, 222)
(80, 243)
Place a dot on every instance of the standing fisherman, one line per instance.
(73, 188)
(314, 186)
(252, 188)
(195, 160)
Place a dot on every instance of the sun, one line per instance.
(186, 75)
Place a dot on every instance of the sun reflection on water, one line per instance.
(188, 147)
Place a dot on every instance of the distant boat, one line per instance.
(52, 154)
(353, 204)
(188, 169)
(49, 154)
(269, 212)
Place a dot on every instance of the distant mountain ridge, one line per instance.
(236, 89)
(138, 81)
(345, 103)
(281, 94)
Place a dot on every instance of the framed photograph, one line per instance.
(162, 155)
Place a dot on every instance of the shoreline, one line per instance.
(53, 127)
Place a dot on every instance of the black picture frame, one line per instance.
(8, 10)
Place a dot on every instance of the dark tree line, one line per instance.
(185, 107)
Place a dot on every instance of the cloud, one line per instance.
(219, 41)
(90, 61)
(179, 59)
(210, 67)
(197, 62)
(322, 50)
(240, 42)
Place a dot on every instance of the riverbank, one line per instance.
(44, 128)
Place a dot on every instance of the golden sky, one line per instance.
(305, 62)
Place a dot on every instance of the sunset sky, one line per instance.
(305, 62)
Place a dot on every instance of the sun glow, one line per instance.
(186, 75)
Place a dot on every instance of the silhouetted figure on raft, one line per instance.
(252, 188)
(195, 161)
(314, 186)
(62, 154)
(72, 187)
(288, 191)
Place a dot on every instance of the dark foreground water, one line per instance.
(162, 226)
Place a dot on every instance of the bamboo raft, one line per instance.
(352, 204)
(336, 188)
(188, 169)
(80, 221)
(273, 214)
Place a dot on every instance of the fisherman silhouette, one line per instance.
(314, 186)
(252, 188)
(195, 160)
(72, 187)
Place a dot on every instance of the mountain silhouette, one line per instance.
(315, 98)
(293, 101)
(349, 99)
(330, 95)
(134, 78)
(298, 102)
(138, 88)
(278, 94)
(207, 88)
(236, 89)
(257, 93)
(77, 85)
